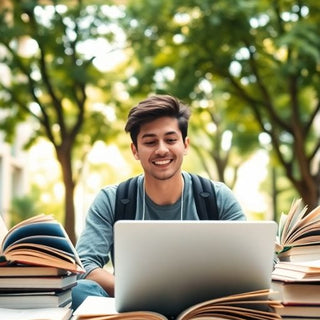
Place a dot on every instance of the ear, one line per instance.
(186, 145)
(134, 151)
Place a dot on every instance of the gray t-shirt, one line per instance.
(96, 239)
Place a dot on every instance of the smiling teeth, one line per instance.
(162, 162)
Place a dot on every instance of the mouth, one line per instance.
(161, 162)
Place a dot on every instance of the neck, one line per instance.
(164, 192)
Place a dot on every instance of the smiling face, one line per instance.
(160, 148)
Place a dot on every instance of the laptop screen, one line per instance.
(167, 266)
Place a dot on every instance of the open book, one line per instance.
(298, 237)
(250, 305)
(40, 240)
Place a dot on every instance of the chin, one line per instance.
(165, 176)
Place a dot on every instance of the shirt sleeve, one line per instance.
(228, 206)
(96, 239)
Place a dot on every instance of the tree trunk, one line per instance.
(309, 193)
(64, 158)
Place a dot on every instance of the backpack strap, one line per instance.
(204, 195)
(126, 198)
(205, 198)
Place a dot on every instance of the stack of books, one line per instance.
(298, 287)
(38, 268)
(296, 277)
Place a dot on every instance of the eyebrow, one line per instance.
(148, 135)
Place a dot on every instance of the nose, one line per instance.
(162, 149)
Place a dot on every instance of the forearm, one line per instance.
(96, 239)
(104, 278)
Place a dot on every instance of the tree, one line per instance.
(264, 54)
(56, 84)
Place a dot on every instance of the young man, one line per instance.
(158, 128)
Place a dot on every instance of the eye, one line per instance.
(149, 143)
(172, 140)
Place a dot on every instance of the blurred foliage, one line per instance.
(22, 209)
(252, 66)
(37, 201)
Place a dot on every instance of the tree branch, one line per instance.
(265, 94)
(45, 77)
(31, 83)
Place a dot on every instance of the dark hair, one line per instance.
(155, 107)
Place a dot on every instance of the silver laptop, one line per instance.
(167, 266)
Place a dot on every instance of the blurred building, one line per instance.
(13, 169)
